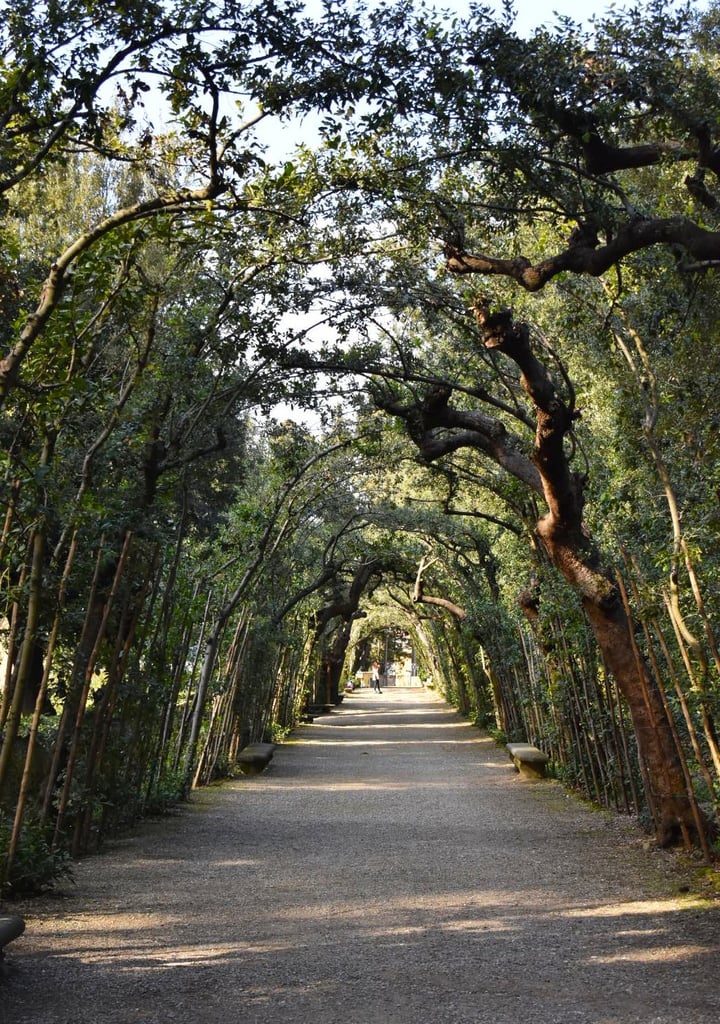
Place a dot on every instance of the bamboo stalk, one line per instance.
(67, 707)
(697, 817)
(649, 793)
(697, 594)
(687, 713)
(185, 717)
(622, 757)
(210, 749)
(39, 704)
(179, 666)
(14, 713)
(707, 719)
(10, 511)
(101, 725)
(619, 719)
(7, 694)
(213, 645)
(89, 670)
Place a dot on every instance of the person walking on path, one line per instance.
(376, 676)
(391, 860)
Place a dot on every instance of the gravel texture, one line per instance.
(389, 866)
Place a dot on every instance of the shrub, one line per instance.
(36, 866)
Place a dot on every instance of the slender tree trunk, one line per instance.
(186, 713)
(27, 651)
(234, 669)
(171, 705)
(646, 382)
(39, 704)
(68, 707)
(80, 710)
(212, 649)
(7, 524)
(10, 677)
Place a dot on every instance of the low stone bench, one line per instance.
(528, 760)
(255, 758)
(10, 927)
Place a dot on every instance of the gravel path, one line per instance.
(389, 867)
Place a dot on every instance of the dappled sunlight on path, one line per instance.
(389, 865)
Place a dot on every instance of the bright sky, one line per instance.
(534, 13)
(530, 13)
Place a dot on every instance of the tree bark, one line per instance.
(437, 428)
(570, 549)
(585, 255)
(419, 596)
(344, 606)
(665, 784)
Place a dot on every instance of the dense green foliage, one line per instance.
(436, 387)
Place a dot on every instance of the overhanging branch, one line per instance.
(584, 255)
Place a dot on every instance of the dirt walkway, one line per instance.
(388, 868)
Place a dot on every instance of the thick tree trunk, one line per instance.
(667, 794)
(332, 642)
(438, 428)
(566, 541)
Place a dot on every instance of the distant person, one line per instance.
(376, 676)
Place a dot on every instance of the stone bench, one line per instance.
(10, 927)
(528, 760)
(320, 709)
(255, 758)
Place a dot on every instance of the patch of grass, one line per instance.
(704, 883)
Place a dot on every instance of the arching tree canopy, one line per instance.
(433, 385)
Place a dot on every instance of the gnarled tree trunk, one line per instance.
(439, 428)
(569, 547)
(671, 804)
